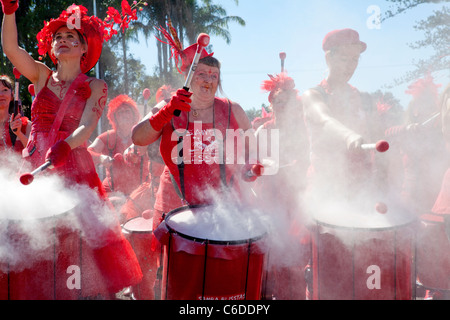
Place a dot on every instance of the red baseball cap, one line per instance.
(342, 37)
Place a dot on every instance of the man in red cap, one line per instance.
(339, 119)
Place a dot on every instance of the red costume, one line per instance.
(107, 261)
(6, 142)
(203, 173)
(115, 263)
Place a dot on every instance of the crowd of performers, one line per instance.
(320, 135)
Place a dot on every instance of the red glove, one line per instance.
(252, 171)
(180, 101)
(58, 154)
(9, 6)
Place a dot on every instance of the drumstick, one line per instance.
(430, 119)
(256, 171)
(28, 178)
(381, 208)
(202, 41)
(16, 92)
(380, 146)
(282, 58)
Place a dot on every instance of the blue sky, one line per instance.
(297, 27)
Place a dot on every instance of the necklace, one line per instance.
(195, 112)
(4, 134)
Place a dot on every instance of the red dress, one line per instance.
(110, 264)
(6, 142)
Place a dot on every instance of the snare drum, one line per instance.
(209, 255)
(44, 254)
(363, 256)
(138, 232)
(433, 252)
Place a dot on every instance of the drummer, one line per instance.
(422, 148)
(281, 192)
(197, 180)
(15, 129)
(107, 149)
(432, 238)
(74, 48)
(339, 120)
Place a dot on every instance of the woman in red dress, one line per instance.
(65, 113)
(14, 130)
(121, 177)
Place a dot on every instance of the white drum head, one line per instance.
(212, 223)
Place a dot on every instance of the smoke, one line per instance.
(32, 216)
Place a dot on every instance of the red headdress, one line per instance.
(164, 92)
(93, 29)
(280, 81)
(186, 55)
(425, 86)
(119, 102)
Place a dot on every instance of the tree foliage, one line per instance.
(436, 30)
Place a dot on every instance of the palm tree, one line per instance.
(189, 19)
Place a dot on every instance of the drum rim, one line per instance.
(377, 229)
(136, 231)
(204, 240)
(50, 217)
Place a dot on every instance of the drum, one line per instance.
(433, 252)
(211, 255)
(138, 232)
(43, 260)
(363, 256)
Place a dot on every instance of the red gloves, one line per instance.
(58, 154)
(252, 171)
(180, 101)
(9, 6)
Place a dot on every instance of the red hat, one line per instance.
(342, 37)
(280, 81)
(93, 29)
(186, 55)
(121, 101)
(164, 92)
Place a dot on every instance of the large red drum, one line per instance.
(44, 258)
(210, 254)
(363, 256)
(433, 251)
(139, 232)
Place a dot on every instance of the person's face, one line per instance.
(205, 81)
(66, 42)
(125, 119)
(5, 96)
(281, 100)
(342, 61)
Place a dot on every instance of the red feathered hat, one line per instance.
(425, 86)
(342, 37)
(164, 92)
(280, 81)
(93, 29)
(118, 102)
(186, 55)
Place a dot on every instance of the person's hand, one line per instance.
(250, 172)
(16, 123)
(354, 142)
(180, 101)
(58, 154)
(106, 161)
(9, 6)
